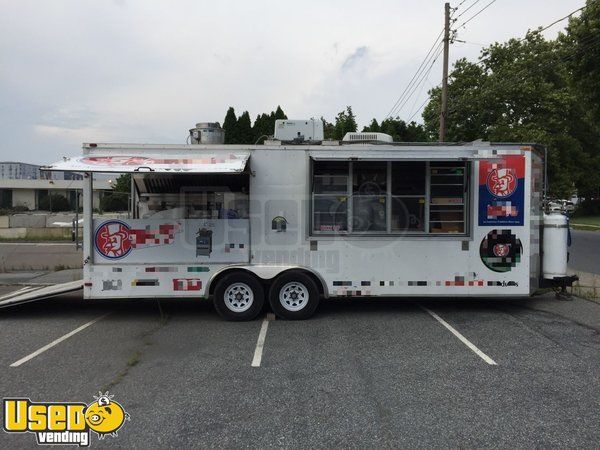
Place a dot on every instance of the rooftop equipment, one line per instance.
(368, 138)
(207, 133)
(299, 131)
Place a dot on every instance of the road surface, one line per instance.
(361, 373)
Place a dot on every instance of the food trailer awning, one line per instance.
(183, 163)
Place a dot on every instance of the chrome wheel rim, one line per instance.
(293, 296)
(239, 297)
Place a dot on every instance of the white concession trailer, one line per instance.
(290, 223)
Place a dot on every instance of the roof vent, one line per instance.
(367, 138)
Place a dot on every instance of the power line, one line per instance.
(423, 63)
(462, 13)
(418, 109)
(420, 79)
(588, 44)
(556, 21)
(415, 111)
(476, 14)
(414, 82)
(459, 5)
(563, 18)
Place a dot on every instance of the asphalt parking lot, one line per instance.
(361, 373)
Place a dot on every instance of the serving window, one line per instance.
(399, 197)
(191, 196)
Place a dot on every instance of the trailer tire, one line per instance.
(238, 296)
(294, 296)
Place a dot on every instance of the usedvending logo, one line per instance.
(502, 182)
(112, 239)
(70, 423)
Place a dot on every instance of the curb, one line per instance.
(587, 287)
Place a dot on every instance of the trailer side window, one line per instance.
(369, 196)
(448, 197)
(408, 196)
(330, 196)
(187, 196)
(390, 197)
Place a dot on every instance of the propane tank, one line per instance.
(556, 232)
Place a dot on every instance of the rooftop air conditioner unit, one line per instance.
(367, 138)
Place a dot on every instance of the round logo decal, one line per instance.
(500, 250)
(112, 239)
(502, 182)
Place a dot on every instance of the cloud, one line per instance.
(140, 71)
(355, 58)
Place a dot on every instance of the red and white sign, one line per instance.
(502, 182)
(115, 239)
(158, 241)
(112, 239)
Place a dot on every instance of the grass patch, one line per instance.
(585, 227)
(59, 267)
(134, 359)
(586, 220)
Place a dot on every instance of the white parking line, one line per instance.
(260, 343)
(57, 341)
(463, 339)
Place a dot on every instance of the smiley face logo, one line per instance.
(105, 416)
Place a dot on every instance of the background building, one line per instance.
(23, 186)
(10, 170)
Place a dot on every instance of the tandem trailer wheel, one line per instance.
(238, 296)
(294, 296)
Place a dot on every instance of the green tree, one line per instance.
(520, 91)
(328, 130)
(279, 114)
(230, 127)
(244, 129)
(264, 125)
(345, 122)
(373, 127)
(583, 36)
(118, 198)
(54, 203)
(114, 201)
(259, 128)
(582, 39)
(399, 130)
(123, 183)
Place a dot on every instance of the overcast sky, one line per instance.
(146, 71)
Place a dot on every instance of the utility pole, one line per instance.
(444, 109)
